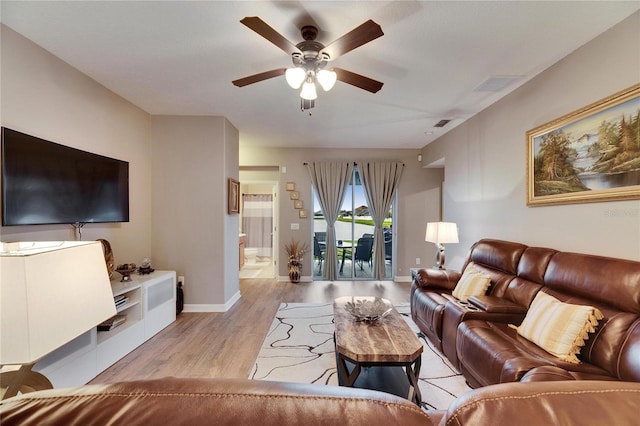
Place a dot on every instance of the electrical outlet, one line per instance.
(417, 260)
(181, 279)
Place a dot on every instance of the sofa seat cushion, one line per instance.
(559, 328)
(472, 283)
(492, 352)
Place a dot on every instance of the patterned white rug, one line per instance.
(299, 348)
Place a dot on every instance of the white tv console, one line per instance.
(150, 308)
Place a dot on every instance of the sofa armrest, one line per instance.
(496, 304)
(430, 279)
(541, 403)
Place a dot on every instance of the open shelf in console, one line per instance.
(132, 308)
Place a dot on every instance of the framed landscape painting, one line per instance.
(590, 155)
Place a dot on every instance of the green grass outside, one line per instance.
(386, 224)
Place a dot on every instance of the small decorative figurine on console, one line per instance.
(145, 267)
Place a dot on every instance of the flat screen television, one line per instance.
(47, 183)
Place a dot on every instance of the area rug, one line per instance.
(299, 348)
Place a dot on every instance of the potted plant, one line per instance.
(295, 251)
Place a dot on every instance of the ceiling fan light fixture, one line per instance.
(309, 91)
(295, 77)
(327, 79)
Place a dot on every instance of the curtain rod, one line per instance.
(354, 163)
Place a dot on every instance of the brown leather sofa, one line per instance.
(190, 402)
(477, 339)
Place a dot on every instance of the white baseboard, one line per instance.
(190, 307)
(285, 278)
(403, 279)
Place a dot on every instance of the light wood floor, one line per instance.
(227, 344)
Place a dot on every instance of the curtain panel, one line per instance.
(330, 180)
(257, 222)
(380, 181)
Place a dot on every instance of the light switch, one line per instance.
(295, 226)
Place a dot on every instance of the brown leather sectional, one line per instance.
(476, 337)
(175, 402)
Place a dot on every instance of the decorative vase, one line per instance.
(294, 273)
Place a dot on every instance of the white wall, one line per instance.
(418, 199)
(43, 96)
(192, 158)
(485, 158)
(192, 232)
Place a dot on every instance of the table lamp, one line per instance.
(441, 233)
(50, 293)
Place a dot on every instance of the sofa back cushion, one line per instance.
(496, 254)
(614, 282)
(498, 260)
(530, 275)
(522, 291)
(534, 262)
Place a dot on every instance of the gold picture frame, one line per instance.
(298, 204)
(303, 214)
(589, 155)
(291, 186)
(233, 196)
(294, 195)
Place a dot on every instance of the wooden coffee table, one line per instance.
(387, 342)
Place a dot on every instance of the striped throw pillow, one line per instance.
(471, 283)
(557, 327)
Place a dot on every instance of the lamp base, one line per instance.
(22, 380)
(439, 257)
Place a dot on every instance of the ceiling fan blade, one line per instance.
(241, 82)
(262, 28)
(358, 80)
(354, 38)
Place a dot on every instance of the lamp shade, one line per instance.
(50, 293)
(441, 232)
(295, 77)
(327, 79)
(309, 91)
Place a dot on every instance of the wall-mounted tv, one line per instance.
(47, 183)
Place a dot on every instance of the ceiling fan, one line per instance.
(310, 58)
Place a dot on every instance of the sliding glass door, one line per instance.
(354, 236)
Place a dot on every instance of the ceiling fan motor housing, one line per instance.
(311, 58)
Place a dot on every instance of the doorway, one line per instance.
(257, 221)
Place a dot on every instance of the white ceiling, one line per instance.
(179, 57)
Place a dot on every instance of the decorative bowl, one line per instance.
(126, 270)
(369, 309)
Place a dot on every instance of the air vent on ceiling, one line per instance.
(442, 123)
(497, 83)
